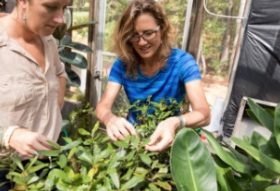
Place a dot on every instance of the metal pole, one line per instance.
(187, 25)
(99, 46)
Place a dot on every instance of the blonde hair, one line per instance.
(125, 28)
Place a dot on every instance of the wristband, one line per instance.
(182, 121)
(7, 136)
(2, 132)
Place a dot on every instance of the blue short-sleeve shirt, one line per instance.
(180, 69)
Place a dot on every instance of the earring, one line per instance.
(24, 19)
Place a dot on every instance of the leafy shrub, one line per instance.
(92, 162)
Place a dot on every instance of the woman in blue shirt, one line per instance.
(147, 65)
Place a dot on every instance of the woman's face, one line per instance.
(43, 16)
(147, 26)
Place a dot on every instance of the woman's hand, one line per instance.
(118, 128)
(163, 136)
(28, 143)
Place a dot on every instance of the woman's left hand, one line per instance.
(163, 136)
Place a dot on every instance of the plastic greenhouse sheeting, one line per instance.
(258, 70)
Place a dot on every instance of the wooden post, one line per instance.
(196, 30)
(90, 93)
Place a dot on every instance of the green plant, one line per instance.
(68, 57)
(257, 169)
(90, 161)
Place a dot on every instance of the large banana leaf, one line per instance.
(271, 148)
(73, 58)
(263, 179)
(231, 160)
(263, 116)
(277, 124)
(265, 160)
(192, 166)
(225, 176)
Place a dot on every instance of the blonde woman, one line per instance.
(32, 79)
(147, 64)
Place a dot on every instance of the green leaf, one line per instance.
(271, 148)
(263, 116)
(189, 157)
(128, 174)
(237, 155)
(32, 162)
(115, 178)
(277, 124)
(58, 174)
(73, 58)
(145, 159)
(153, 187)
(105, 153)
(221, 179)
(79, 46)
(72, 152)
(60, 31)
(66, 40)
(82, 131)
(121, 144)
(257, 140)
(132, 182)
(263, 179)
(36, 168)
(18, 163)
(54, 145)
(268, 162)
(50, 153)
(164, 185)
(273, 188)
(73, 79)
(62, 161)
(86, 157)
(72, 145)
(32, 180)
(141, 172)
(226, 157)
(95, 128)
(225, 176)
(16, 174)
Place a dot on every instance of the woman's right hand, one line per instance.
(27, 142)
(118, 128)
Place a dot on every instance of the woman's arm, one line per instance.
(200, 114)
(164, 134)
(117, 127)
(62, 86)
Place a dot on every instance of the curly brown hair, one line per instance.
(125, 28)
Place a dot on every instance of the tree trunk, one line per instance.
(196, 30)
